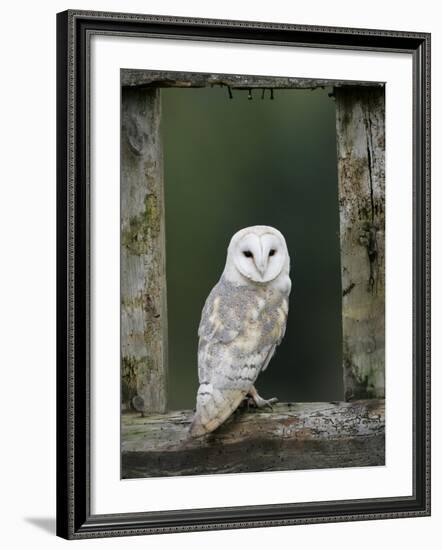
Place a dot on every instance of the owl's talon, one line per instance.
(261, 403)
(270, 402)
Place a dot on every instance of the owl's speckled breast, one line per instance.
(272, 308)
(258, 313)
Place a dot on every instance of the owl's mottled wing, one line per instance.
(219, 325)
(233, 348)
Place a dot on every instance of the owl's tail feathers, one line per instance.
(213, 408)
(197, 429)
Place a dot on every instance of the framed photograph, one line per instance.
(243, 274)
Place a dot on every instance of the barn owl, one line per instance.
(242, 322)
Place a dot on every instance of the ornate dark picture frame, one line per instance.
(74, 518)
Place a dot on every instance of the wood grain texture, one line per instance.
(164, 79)
(360, 126)
(143, 283)
(291, 437)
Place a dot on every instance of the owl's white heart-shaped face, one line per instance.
(258, 253)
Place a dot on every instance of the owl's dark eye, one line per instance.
(248, 254)
(272, 252)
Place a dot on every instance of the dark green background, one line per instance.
(233, 163)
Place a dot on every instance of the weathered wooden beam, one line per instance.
(360, 114)
(291, 437)
(143, 279)
(164, 79)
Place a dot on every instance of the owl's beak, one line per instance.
(261, 267)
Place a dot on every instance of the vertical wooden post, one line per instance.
(360, 115)
(143, 279)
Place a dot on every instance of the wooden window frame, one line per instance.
(155, 441)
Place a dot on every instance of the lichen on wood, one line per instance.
(143, 284)
(292, 436)
(360, 125)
